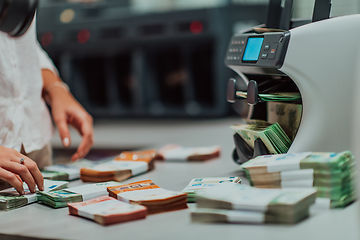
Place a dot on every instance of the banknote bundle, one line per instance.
(71, 169)
(150, 195)
(107, 210)
(332, 174)
(61, 198)
(174, 152)
(124, 166)
(288, 115)
(280, 96)
(54, 175)
(11, 199)
(238, 203)
(197, 184)
(272, 135)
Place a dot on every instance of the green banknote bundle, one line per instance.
(59, 199)
(332, 174)
(240, 203)
(288, 115)
(54, 175)
(198, 184)
(281, 96)
(11, 199)
(272, 135)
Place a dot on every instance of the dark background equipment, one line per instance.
(16, 16)
(119, 63)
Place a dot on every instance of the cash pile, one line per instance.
(332, 174)
(272, 135)
(174, 152)
(11, 199)
(238, 203)
(124, 166)
(61, 198)
(72, 169)
(150, 195)
(205, 183)
(107, 210)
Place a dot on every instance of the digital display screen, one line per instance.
(253, 48)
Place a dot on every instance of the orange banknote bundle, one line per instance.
(149, 194)
(174, 152)
(124, 166)
(107, 210)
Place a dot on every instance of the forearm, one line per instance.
(53, 86)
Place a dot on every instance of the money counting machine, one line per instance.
(319, 61)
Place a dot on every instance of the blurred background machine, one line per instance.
(141, 58)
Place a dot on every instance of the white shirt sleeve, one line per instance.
(45, 61)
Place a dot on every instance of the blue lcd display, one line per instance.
(252, 50)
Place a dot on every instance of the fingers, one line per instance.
(28, 171)
(87, 140)
(13, 179)
(64, 133)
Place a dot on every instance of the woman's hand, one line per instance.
(13, 171)
(66, 111)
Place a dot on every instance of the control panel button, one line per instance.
(273, 49)
(264, 55)
(266, 46)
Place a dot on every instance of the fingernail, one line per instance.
(22, 192)
(66, 142)
(41, 188)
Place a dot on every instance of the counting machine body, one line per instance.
(323, 60)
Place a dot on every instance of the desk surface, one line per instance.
(36, 220)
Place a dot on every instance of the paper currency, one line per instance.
(73, 168)
(174, 152)
(107, 210)
(332, 174)
(149, 194)
(124, 166)
(283, 96)
(11, 199)
(272, 135)
(61, 198)
(288, 116)
(241, 203)
(197, 184)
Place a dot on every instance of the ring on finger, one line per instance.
(22, 160)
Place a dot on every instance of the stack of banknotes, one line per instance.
(150, 195)
(238, 203)
(107, 210)
(124, 166)
(54, 175)
(272, 135)
(332, 174)
(198, 184)
(11, 199)
(68, 171)
(61, 198)
(174, 152)
(288, 115)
